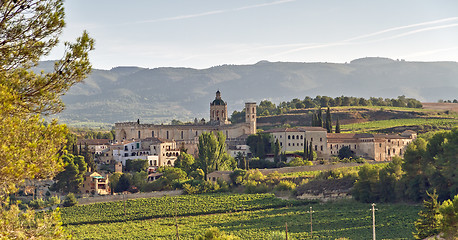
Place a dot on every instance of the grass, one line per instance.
(384, 124)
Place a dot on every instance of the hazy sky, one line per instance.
(201, 34)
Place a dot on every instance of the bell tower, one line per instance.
(250, 116)
(218, 110)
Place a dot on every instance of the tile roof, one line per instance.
(93, 141)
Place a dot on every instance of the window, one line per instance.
(380, 145)
(281, 144)
(289, 137)
(302, 144)
(125, 148)
(321, 139)
(293, 144)
(289, 144)
(311, 139)
(181, 134)
(297, 137)
(355, 146)
(321, 147)
(316, 147)
(280, 136)
(302, 137)
(293, 136)
(139, 135)
(331, 148)
(196, 133)
(167, 134)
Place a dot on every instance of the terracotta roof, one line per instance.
(340, 135)
(313, 128)
(386, 136)
(156, 140)
(299, 129)
(93, 141)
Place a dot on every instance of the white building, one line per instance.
(293, 139)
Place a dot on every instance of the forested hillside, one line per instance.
(161, 94)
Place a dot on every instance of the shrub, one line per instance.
(37, 203)
(53, 201)
(70, 200)
(285, 186)
(277, 235)
(214, 234)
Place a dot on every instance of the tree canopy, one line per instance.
(29, 147)
(212, 153)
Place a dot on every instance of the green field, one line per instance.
(186, 205)
(384, 124)
(331, 220)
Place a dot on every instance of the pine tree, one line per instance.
(328, 121)
(429, 222)
(320, 119)
(337, 126)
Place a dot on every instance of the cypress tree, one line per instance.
(328, 121)
(337, 126)
(306, 152)
(277, 151)
(320, 119)
(310, 151)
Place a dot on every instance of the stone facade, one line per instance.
(188, 135)
(379, 147)
(293, 139)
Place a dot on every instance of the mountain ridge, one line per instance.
(127, 93)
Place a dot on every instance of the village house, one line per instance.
(94, 183)
(95, 146)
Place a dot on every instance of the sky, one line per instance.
(205, 33)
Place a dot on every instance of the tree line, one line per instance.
(428, 165)
(267, 108)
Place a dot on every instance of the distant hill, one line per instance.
(161, 94)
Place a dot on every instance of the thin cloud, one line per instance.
(430, 52)
(213, 12)
(402, 27)
(352, 41)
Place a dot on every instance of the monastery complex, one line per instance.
(160, 144)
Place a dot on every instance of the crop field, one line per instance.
(330, 220)
(187, 205)
(383, 124)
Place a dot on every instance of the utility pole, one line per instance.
(176, 221)
(124, 200)
(286, 225)
(311, 223)
(373, 220)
